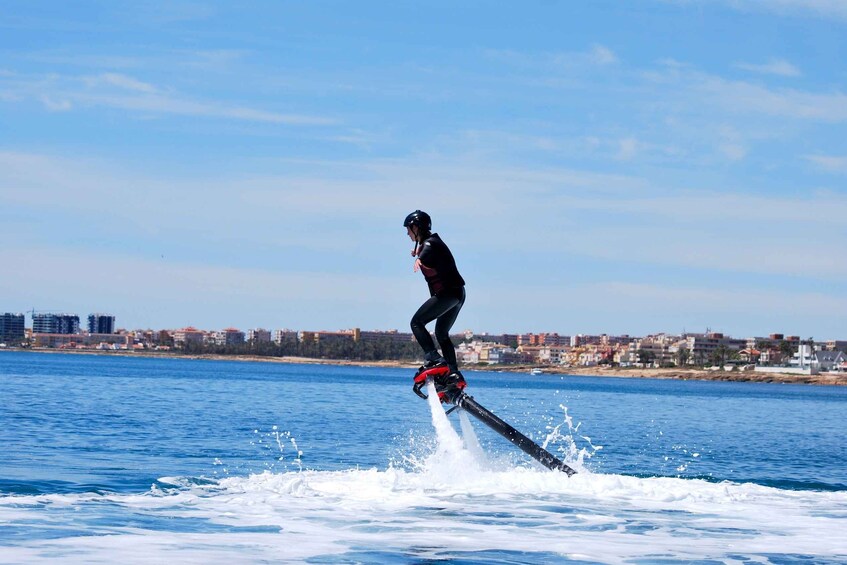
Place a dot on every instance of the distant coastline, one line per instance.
(829, 379)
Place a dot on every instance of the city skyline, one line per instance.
(775, 353)
(405, 331)
(607, 167)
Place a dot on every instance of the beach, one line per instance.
(678, 373)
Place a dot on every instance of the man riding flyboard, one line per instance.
(447, 295)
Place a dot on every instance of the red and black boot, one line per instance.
(450, 387)
(448, 384)
(434, 369)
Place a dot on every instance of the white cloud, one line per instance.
(731, 145)
(596, 55)
(493, 144)
(162, 104)
(824, 8)
(779, 67)
(121, 81)
(828, 9)
(733, 151)
(602, 55)
(56, 105)
(829, 163)
(628, 148)
(674, 114)
(212, 59)
(714, 206)
(115, 90)
(305, 222)
(549, 210)
(701, 90)
(167, 293)
(170, 60)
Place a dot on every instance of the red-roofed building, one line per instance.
(188, 335)
(229, 336)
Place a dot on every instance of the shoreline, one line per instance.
(825, 379)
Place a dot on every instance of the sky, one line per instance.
(595, 167)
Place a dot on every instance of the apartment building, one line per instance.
(660, 349)
(615, 340)
(532, 352)
(101, 324)
(583, 340)
(12, 328)
(393, 336)
(46, 323)
(532, 339)
(702, 347)
(152, 337)
(229, 336)
(281, 336)
(468, 352)
(189, 335)
(510, 340)
(259, 335)
(554, 354)
(494, 354)
(773, 341)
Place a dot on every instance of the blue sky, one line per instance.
(620, 167)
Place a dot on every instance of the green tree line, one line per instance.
(379, 350)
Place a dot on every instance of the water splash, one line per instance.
(412, 457)
(566, 444)
(274, 445)
(454, 458)
(684, 460)
(447, 453)
(470, 439)
(448, 440)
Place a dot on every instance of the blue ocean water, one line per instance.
(121, 459)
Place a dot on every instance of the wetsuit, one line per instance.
(447, 295)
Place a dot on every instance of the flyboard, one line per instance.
(454, 393)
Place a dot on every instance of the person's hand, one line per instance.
(417, 266)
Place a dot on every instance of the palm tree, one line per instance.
(786, 349)
(719, 355)
(682, 356)
(645, 356)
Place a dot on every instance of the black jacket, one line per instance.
(438, 266)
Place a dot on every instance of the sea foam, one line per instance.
(456, 502)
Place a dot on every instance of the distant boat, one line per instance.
(536, 371)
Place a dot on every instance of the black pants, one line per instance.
(444, 308)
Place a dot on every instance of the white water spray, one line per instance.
(453, 457)
(448, 440)
(470, 439)
(572, 454)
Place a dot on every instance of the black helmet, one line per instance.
(420, 219)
